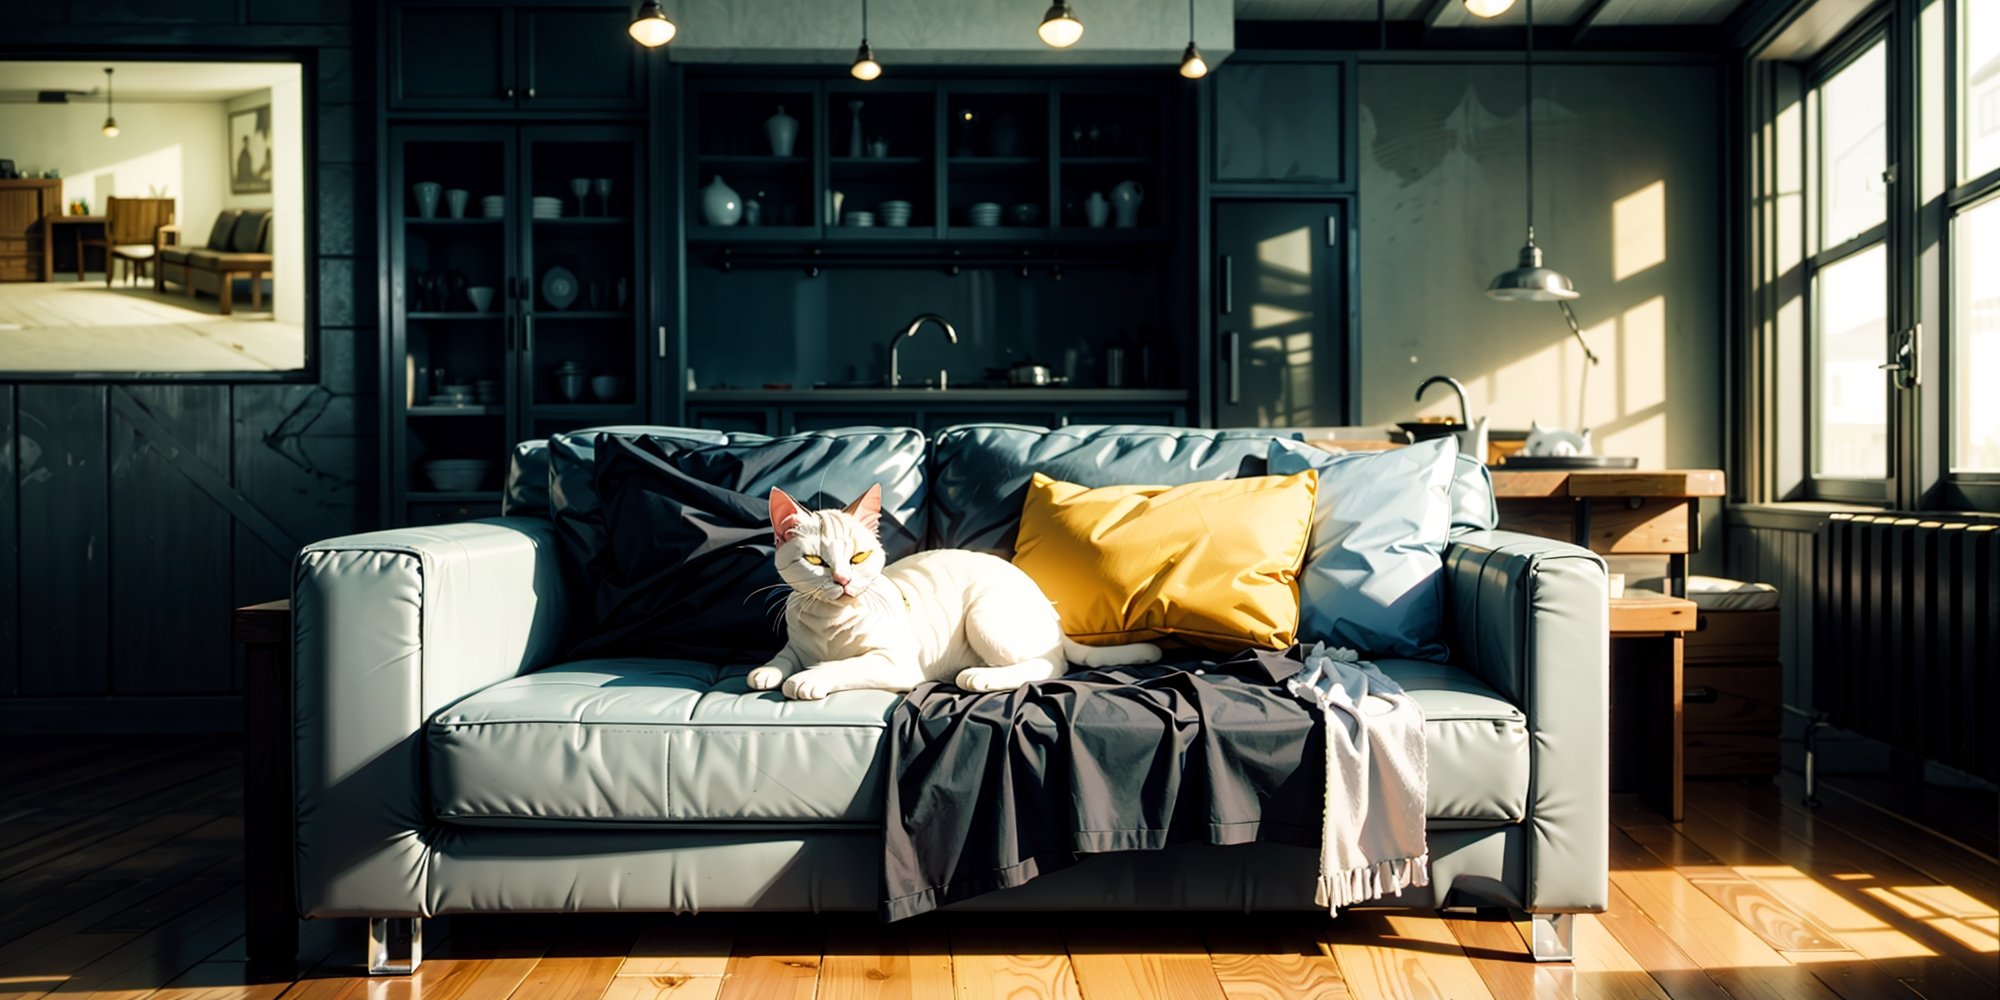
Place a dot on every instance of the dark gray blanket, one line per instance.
(989, 791)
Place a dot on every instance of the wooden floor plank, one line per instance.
(1271, 960)
(1011, 963)
(1502, 961)
(774, 959)
(1396, 955)
(866, 961)
(1134, 963)
(581, 965)
(682, 946)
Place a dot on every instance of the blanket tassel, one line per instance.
(1359, 885)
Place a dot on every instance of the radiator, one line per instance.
(1906, 644)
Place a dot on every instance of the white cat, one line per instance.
(1553, 441)
(946, 614)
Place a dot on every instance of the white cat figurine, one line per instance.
(1550, 441)
(969, 617)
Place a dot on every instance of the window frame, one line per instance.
(1961, 490)
(1845, 52)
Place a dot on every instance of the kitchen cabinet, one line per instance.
(1282, 121)
(787, 413)
(1279, 313)
(497, 58)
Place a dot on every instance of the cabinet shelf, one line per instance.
(583, 411)
(452, 496)
(581, 314)
(585, 220)
(449, 410)
(460, 316)
(450, 223)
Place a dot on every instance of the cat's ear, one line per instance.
(1534, 427)
(868, 509)
(785, 513)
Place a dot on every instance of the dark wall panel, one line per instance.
(170, 587)
(65, 549)
(10, 608)
(133, 517)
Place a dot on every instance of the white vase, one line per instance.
(783, 130)
(719, 204)
(1097, 210)
(1126, 198)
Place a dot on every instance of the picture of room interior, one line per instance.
(141, 229)
(1193, 499)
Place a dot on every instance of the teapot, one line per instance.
(1126, 197)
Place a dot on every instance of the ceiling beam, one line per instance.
(1588, 21)
(1431, 15)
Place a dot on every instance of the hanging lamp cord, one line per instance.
(864, 22)
(1528, 109)
(1190, 22)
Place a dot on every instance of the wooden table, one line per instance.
(49, 224)
(1648, 636)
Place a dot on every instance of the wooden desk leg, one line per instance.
(271, 911)
(228, 295)
(1664, 770)
(256, 290)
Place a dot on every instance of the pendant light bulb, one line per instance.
(1193, 66)
(865, 67)
(651, 27)
(1059, 28)
(1488, 8)
(110, 120)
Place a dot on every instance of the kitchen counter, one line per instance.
(935, 397)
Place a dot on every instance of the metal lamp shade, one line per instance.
(1531, 282)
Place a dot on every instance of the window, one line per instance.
(1972, 286)
(1848, 434)
(1975, 340)
(1978, 87)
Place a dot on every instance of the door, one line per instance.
(1280, 313)
(452, 57)
(573, 59)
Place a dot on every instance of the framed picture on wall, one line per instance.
(250, 150)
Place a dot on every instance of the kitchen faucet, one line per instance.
(896, 376)
(1464, 413)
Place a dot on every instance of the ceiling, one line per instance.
(1610, 13)
(141, 82)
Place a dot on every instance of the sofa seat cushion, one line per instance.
(660, 742)
(176, 255)
(219, 260)
(674, 743)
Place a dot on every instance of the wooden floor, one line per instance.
(85, 326)
(119, 877)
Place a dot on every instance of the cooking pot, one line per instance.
(1033, 373)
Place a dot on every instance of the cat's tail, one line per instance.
(1109, 656)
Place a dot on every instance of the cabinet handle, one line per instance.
(1228, 295)
(1232, 345)
(663, 342)
(1332, 230)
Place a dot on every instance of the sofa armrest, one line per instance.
(388, 628)
(167, 236)
(1530, 616)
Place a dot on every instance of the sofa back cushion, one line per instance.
(252, 233)
(529, 473)
(678, 539)
(225, 229)
(1373, 578)
(980, 472)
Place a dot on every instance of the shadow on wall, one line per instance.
(1626, 204)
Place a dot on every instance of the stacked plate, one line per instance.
(493, 206)
(896, 213)
(458, 475)
(548, 208)
(985, 214)
(861, 220)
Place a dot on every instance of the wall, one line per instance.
(286, 197)
(134, 517)
(1628, 163)
(171, 149)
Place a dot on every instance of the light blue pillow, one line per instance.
(1373, 577)
(1472, 507)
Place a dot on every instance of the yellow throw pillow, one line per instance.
(1214, 564)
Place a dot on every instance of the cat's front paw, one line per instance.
(803, 686)
(765, 678)
(981, 680)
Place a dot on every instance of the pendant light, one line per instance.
(1059, 28)
(1193, 66)
(1529, 281)
(1488, 8)
(651, 27)
(110, 120)
(865, 67)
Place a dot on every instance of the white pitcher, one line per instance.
(1096, 209)
(1126, 197)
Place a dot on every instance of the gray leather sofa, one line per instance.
(449, 759)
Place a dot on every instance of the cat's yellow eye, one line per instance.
(861, 557)
(815, 560)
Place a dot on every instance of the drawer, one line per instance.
(1739, 698)
(1733, 635)
(1717, 755)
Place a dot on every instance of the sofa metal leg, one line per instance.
(1550, 937)
(381, 941)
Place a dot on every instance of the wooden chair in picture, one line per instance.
(134, 231)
